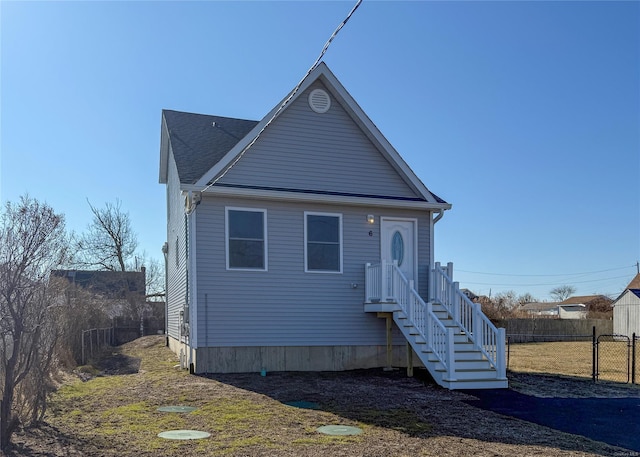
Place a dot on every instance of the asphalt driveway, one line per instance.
(614, 421)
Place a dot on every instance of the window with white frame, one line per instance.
(246, 238)
(323, 242)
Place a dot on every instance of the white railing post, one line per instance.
(394, 282)
(451, 369)
(450, 270)
(455, 302)
(410, 306)
(477, 325)
(429, 334)
(384, 292)
(435, 294)
(501, 365)
(367, 283)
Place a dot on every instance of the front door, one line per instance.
(398, 239)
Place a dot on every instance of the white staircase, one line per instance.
(453, 338)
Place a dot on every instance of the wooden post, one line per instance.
(389, 366)
(409, 360)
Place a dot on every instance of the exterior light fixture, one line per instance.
(371, 218)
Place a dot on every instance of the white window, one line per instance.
(246, 234)
(323, 242)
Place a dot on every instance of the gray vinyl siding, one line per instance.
(177, 259)
(284, 306)
(329, 152)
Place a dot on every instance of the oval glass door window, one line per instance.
(397, 247)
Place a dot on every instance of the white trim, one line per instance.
(264, 234)
(414, 220)
(319, 198)
(316, 213)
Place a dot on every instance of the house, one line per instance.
(121, 291)
(626, 310)
(541, 309)
(578, 307)
(294, 243)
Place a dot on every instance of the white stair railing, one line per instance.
(439, 339)
(469, 317)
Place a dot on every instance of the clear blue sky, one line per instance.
(524, 115)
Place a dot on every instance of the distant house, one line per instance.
(294, 243)
(578, 307)
(120, 290)
(469, 294)
(626, 310)
(541, 309)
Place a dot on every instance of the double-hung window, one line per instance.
(323, 242)
(246, 238)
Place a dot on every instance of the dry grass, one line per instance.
(247, 415)
(572, 358)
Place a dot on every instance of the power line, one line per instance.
(545, 275)
(291, 95)
(541, 284)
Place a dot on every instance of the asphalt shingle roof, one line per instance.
(580, 300)
(198, 144)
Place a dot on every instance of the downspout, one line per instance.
(192, 201)
(432, 223)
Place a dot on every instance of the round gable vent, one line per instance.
(319, 101)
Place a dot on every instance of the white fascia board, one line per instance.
(318, 198)
(164, 152)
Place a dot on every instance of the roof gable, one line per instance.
(635, 282)
(306, 151)
(240, 136)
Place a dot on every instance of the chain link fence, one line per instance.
(606, 357)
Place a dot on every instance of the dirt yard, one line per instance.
(115, 414)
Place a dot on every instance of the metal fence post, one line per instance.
(594, 372)
(633, 359)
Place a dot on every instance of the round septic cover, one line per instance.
(303, 404)
(176, 409)
(339, 430)
(184, 435)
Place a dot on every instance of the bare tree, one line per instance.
(110, 242)
(561, 293)
(526, 298)
(32, 243)
(154, 275)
